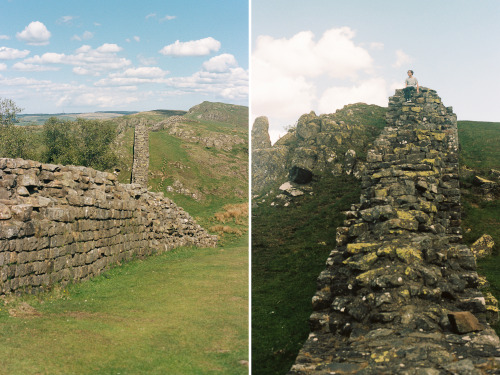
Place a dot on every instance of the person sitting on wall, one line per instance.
(411, 84)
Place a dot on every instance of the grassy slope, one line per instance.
(288, 254)
(479, 151)
(289, 249)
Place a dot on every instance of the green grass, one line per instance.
(182, 312)
(479, 144)
(289, 249)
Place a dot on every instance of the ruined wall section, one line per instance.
(67, 223)
(140, 166)
(400, 294)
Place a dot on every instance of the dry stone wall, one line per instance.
(140, 165)
(65, 223)
(400, 294)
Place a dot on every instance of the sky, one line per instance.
(323, 54)
(85, 56)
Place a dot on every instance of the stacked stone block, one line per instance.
(66, 223)
(400, 294)
(140, 165)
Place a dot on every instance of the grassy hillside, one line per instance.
(291, 244)
(202, 165)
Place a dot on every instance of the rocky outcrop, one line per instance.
(320, 144)
(65, 223)
(181, 127)
(260, 133)
(400, 294)
(140, 166)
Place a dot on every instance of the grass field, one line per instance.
(182, 312)
(289, 249)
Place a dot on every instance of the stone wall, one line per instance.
(400, 294)
(65, 223)
(140, 165)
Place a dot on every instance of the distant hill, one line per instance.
(220, 112)
(40, 118)
(198, 158)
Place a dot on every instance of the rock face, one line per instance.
(318, 144)
(400, 294)
(65, 223)
(140, 165)
(260, 133)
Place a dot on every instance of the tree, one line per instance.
(80, 142)
(8, 112)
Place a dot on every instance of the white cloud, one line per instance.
(35, 34)
(146, 60)
(334, 54)
(199, 47)
(7, 53)
(65, 19)
(289, 75)
(32, 67)
(3, 66)
(232, 84)
(371, 91)
(134, 76)
(4, 37)
(402, 59)
(85, 36)
(151, 15)
(168, 18)
(221, 63)
(376, 46)
(137, 39)
(87, 60)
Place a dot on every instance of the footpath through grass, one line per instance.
(181, 312)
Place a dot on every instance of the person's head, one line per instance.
(410, 73)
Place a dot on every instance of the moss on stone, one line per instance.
(361, 247)
(409, 254)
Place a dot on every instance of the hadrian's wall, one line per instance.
(140, 166)
(400, 294)
(66, 223)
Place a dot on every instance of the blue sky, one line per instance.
(85, 56)
(322, 54)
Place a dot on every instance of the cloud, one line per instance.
(334, 54)
(371, 91)
(35, 34)
(87, 60)
(32, 67)
(294, 75)
(168, 18)
(402, 59)
(280, 95)
(3, 66)
(65, 20)
(199, 47)
(376, 46)
(4, 37)
(134, 76)
(7, 53)
(85, 36)
(151, 15)
(221, 63)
